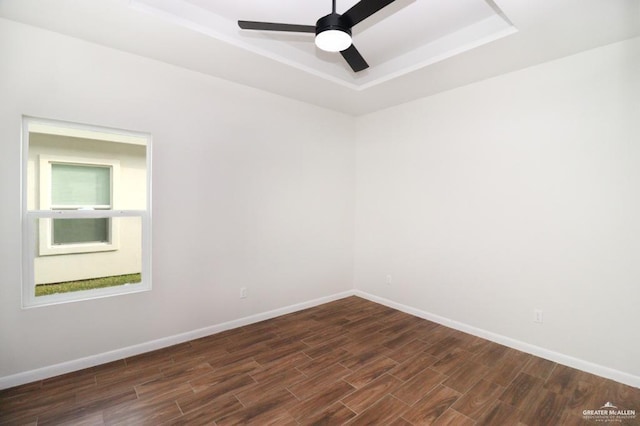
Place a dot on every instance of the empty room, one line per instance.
(369, 212)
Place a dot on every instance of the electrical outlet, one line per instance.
(537, 316)
(388, 280)
(243, 292)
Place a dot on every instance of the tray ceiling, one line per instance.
(404, 36)
(415, 48)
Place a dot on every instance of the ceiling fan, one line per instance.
(333, 31)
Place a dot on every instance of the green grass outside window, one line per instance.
(69, 286)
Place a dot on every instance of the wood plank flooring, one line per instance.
(346, 362)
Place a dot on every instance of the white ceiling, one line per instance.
(415, 48)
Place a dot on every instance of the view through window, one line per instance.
(86, 212)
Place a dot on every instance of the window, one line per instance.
(85, 212)
(68, 183)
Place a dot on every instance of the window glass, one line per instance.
(79, 272)
(87, 224)
(76, 185)
(74, 231)
(80, 187)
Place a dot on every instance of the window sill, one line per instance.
(77, 296)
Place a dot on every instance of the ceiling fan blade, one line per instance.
(354, 59)
(363, 9)
(272, 26)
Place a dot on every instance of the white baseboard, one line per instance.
(589, 367)
(93, 360)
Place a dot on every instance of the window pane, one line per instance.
(85, 271)
(80, 185)
(71, 231)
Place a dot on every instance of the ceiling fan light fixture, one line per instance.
(333, 33)
(333, 40)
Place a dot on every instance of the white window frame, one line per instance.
(46, 246)
(30, 218)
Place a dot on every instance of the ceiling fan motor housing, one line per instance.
(333, 21)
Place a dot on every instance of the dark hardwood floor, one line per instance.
(346, 362)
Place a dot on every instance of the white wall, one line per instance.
(516, 193)
(249, 190)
